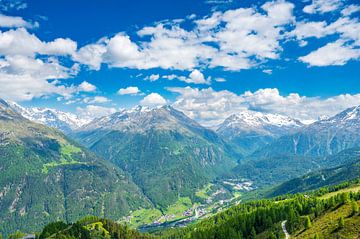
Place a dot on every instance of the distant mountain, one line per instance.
(251, 130)
(44, 177)
(322, 138)
(272, 170)
(168, 154)
(64, 121)
(349, 170)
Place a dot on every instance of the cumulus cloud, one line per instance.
(339, 52)
(153, 77)
(23, 78)
(322, 6)
(91, 55)
(94, 111)
(21, 42)
(211, 107)
(87, 87)
(153, 99)
(349, 10)
(31, 68)
(240, 39)
(130, 90)
(336, 53)
(14, 21)
(195, 77)
(96, 100)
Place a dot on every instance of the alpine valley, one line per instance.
(155, 168)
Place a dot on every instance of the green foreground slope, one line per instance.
(331, 212)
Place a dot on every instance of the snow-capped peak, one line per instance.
(253, 121)
(256, 119)
(63, 121)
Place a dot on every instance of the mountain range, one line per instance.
(150, 158)
(45, 176)
(167, 154)
(64, 121)
(324, 137)
(250, 130)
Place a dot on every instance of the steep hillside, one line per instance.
(45, 177)
(250, 130)
(322, 138)
(325, 177)
(328, 225)
(168, 154)
(331, 212)
(304, 173)
(303, 216)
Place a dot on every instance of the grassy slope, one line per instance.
(326, 226)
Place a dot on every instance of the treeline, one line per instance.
(89, 227)
(248, 220)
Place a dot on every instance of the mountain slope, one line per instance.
(330, 176)
(45, 177)
(322, 138)
(250, 130)
(168, 154)
(64, 121)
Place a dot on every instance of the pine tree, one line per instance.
(355, 208)
(345, 198)
(253, 233)
(341, 223)
(307, 222)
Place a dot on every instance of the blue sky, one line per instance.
(208, 58)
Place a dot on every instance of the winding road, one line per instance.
(283, 226)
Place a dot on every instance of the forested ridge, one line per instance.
(254, 219)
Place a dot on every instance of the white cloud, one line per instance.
(322, 6)
(130, 90)
(23, 78)
(91, 55)
(220, 79)
(86, 87)
(346, 27)
(211, 107)
(310, 29)
(153, 77)
(153, 99)
(21, 42)
(96, 100)
(339, 52)
(197, 77)
(8, 5)
(349, 10)
(14, 21)
(239, 39)
(336, 53)
(267, 71)
(170, 77)
(94, 111)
